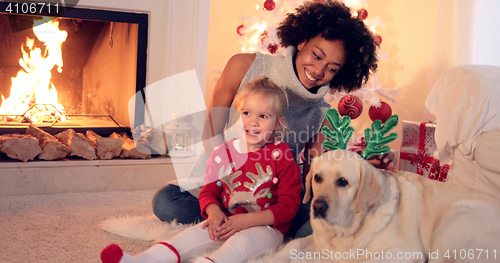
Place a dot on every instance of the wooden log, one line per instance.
(153, 138)
(107, 148)
(20, 146)
(78, 144)
(52, 149)
(130, 149)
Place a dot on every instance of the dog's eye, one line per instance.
(342, 182)
(318, 178)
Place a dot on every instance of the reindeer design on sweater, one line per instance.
(267, 179)
(247, 200)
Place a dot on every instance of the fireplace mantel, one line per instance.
(63, 176)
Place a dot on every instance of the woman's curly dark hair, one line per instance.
(333, 20)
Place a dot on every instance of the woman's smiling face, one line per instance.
(319, 60)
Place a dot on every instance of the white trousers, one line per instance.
(243, 245)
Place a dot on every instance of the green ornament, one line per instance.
(269, 196)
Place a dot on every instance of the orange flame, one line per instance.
(33, 85)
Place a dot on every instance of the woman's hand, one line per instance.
(385, 161)
(234, 224)
(215, 219)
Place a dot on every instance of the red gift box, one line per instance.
(419, 151)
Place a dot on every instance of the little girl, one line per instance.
(251, 192)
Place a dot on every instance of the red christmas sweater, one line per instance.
(247, 182)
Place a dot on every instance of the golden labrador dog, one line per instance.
(363, 214)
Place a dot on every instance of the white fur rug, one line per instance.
(150, 228)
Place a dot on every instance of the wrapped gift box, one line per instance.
(419, 151)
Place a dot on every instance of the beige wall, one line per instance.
(408, 35)
(225, 17)
(407, 32)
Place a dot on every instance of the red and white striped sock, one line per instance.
(161, 252)
(204, 260)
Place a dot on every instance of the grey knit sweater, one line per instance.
(304, 117)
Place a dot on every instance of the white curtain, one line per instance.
(467, 32)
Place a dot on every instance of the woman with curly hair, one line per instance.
(328, 48)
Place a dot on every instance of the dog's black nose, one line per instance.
(319, 207)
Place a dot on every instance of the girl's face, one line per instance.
(257, 121)
(319, 60)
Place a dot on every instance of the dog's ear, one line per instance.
(370, 188)
(307, 194)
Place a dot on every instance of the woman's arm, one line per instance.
(222, 97)
(313, 148)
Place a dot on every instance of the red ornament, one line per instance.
(272, 48)
(381, 113)
(239, 30)
(263, 37)
(351, 106)
(377, 39)
(269, 5)
(362, 14)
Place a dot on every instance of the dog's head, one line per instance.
(344, 188)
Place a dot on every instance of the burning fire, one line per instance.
(32, 93)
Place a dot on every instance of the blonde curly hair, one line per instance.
(274, 93)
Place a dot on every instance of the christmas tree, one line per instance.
(258, 34)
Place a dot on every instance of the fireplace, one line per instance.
(164, 28)
(100, 65)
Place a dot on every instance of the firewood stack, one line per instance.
(107, 148)
(130, 149)
(78, 144)
(20, 146)
(37, 143)
(52, 149)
